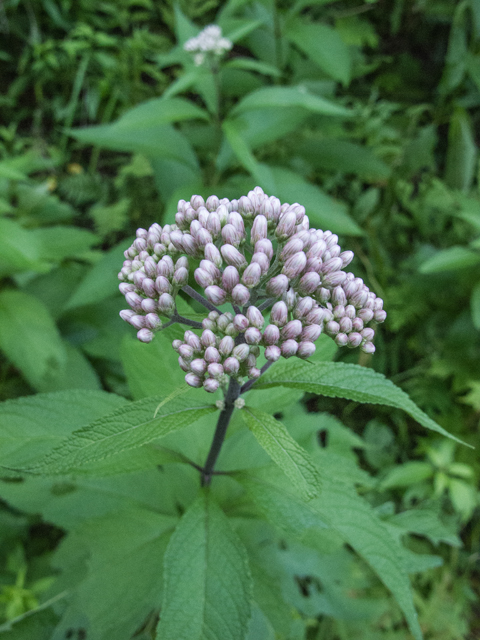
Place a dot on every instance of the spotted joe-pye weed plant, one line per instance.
(260, 530)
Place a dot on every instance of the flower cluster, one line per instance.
(254, 253)
(208, 43)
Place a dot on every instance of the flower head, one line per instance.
(208, 44)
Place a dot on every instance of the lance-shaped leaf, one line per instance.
(340, 508)
(129, 427)
(282, 448)
(207, 582)
(350, 381)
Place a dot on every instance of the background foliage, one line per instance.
(366, 113)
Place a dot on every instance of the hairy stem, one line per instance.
(248, 385)
(182, 320)
(199, 298)
(223, 421)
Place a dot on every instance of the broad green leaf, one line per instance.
(323, 211)
(344, 156)
(19, 249)
(101, 281)
(281, 97)
(457, 257)
(38, 624)
(132, 426)
(30, 338)
(350, 381)
(250, 64)
(236, 29)
(282, 448)
(30, 427)
(207, 582)
(340, 508)
(125, 552)
(461, 152)
(424, 522)
(404, 475)
(60, 242)
(324, 46)
(475, 305)
(158, 358)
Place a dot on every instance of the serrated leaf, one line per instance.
(207, 582)
(282, 448)
(324, 46)
(282, 97)
(350, 381)
(128, 427)
(450, 259)
(30, 338)
(30, 427)
(340, 508)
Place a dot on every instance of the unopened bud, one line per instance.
(202, 278)
(308, 283)
(261, 259)
(368, 347)
(213, 254)
(354, 340)
(230, 278)
(264, 246)
(226, 345)
(251, 275)
(240, 322)
(230, 235)
(286, 226)
(215, 370)
(194, 380)
(311, 333)
(289, 348)
(341, 339)
(293, 246)
(259, 229)
(212, 203)
(134, 300)
(215, 294)
(253, 335)
(271, 335)
(305, 350)
(380, 315)
(145, 335)
(272, 353)
(279, 314)
(332, 328)
(277, 286)
(180, 277)
(241, 352)
(197, 202)
(208, 338)
(292, 329)
(231, 366)
(240, 295)
(334, 279)
(149, 305)
(166, 304)
(232, 256)
(294, 265)
(345, 324)
(198, 366)
(255, 317)
(347, 257)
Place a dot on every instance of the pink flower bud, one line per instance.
(193, 340)
(305, 350)
(253, 335)
(230, 235)
(380, 315)
(345, 325)
(231, 366)
(212, 355)
(138, 278)
(291, 330)
(126, 314)
(215, 295)
(264, 246)
(212, 203)
(165, 267)
(334, 279)
(365, 315)
(303, 307)
(232, 256)
(180, 219)
(368, 333)
(189, 244)
(341, 339)
(230, 278)
(193, 380)
(338, 311)
(166, 304)
(231, 331)
(203, 238)
(240, 295)
(261, 259)
(162, 285)
(184, 366)
(259, 229)
(195, 227)
(222, 213)
(316, 316)
(253, 373)
(357, 324)
(202, 278)
(186, 352)
(176, 344)
(279, 314)
(241, 351)
(286, 226)
(289, 348)
(180, 277)
(240, 322)
(141, 233)
(176, 238)
(235, 219)
(295, 265)
(317, 249)
(251, 275)
(271, 335)
(350, 311)
(197, 202)
(138, 322)
(140, 244)
(331, 265)
(308, 283)
(347, 257)
(311, 333)
(150, 267)
(134, 300)
(338, 296)
(226, 345)
(125, 287)
(332, 328)
(198, 366)
(368, 347)
(272, 353)
(211, 269)
(214, 225)
(213, 254)
(145, 335)
(293, 246)
(255, 317)
(354, 340)
(215, 370)
(208, 338)
(290, 297)
(149, 305)
(359, 299)
(148, 285)
(378, 304)
(277, 286)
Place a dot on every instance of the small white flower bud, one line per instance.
(347, 257)
(293, 246)
(134, 300)
(286, 226)
(354, 340)
(240, 322)
(186, 352)
(222, 213)
(368, 333)
(202, 278)
(149, 305)
(264, 246)
(148, 285)
(214, 225)
(193, 380)
(338, 311)
(193, 340)
(145, 335)
(323, 295)
(289, 297)
(208, 338)
(334, 279)
(241, 352)
(232, 256)
(240, 295)
(230, 235)
(166, 304)
(305, 350)
(332, 328)
(279, 314)
(345, 325)
(212, 203)
(308, 283)
(380, 315)
(150, 267)
(317, 249)
(271, 335)
(291, 330)
(254, 373)
(338, 296)
(259, 229)
(162, 285)
(215, 370)
(368, 347)
(230, 278)
(176, 344)
(215, 294)
(294, 265)
(138, 278)
(261, 259)
(180, 277)
(289, 348)
(277, 286)
(198, 366)
(176, 238)
(138, 322)
(341, 339)
(226, 345)
(190, 245)
(197, 201)
(251, 275)
(231, 366)
(303, 307)
(239, 403)
(165, 267)
(126, 314)
(255, 317)
(272, 353)
(184, 366)
(203, 238)
(213, 254)
(311, 333)
(253, 335)
(357, 324)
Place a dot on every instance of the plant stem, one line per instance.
(199, 298)
(187, 321)
(223, 421)
(250, 383)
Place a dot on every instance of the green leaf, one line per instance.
(30, 427)
(350, 381)
(282, 97)
(282, 448)
(30, 338)
(125, 552)
(324, 46)
(250, 64)
(344, 156)
(404, 475)
(19, 249)
(207, 582)
(101, 281)
(450, 259)
(475, 305)
(128, 427)
(461, 152)
(352, 518)
(60, 242)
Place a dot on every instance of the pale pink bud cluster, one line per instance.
(254, 252)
